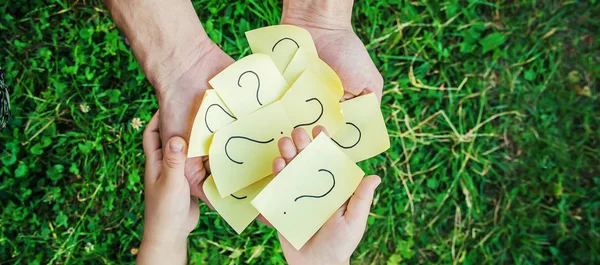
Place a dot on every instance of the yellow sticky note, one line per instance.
(280, 42)
(309, 190)
(242, 152)
(235, 208)
(364, 134)
(249, 84)
(309, 103)
(212, 115)
(309, 62)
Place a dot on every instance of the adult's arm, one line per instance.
(329, 23)
(178, 59)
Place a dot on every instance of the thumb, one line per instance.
(359, 205)
(174, 158)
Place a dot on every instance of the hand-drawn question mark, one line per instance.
(318, 118)
(239, 198)
(257, 86)
(286, 38)
(247, 139)
(318, 196)
(206, 115)
(357, 141)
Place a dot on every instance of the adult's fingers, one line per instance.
(196, 173)
(206, 162)
(152, 149)
(301, 139)
(359, 205)
(174, 158)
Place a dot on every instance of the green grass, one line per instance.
(495, 148)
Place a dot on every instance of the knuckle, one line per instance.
(172, 161)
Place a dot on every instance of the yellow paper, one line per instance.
(309, 103)
(364, 134)
(242, 152)
(280, 42)
(249, 84)
(309, 190)
(305, 62)
(236, 208)
(212, 115)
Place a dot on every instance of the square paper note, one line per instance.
(309, 190)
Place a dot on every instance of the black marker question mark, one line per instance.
(206, 115)
(257, 86)
(239, 198)
(319, 196)
(245, 138)
(357, 141)
(286, 38)
(318, 118)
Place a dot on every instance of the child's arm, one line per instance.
(170, 212)
(340, 235)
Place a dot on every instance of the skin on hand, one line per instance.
(170, 213)
(179, 102)
(328, 21)
(178, 59)
(335, 242)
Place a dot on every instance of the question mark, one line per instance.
(206, 115)
(357, 141)
(247, 139)
(286, 38)
(257, 86)
(318, 118)
(318, 196)
(239, 198)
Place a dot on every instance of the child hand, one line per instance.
(335, 242)
(170, 212)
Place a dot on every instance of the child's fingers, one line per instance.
(278, 165)
(151, 137)
(174, 158)
(152, 150)
(317, 130)
(287, 149)
(301, 139)
(359, 205)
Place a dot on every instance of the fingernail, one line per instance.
(176, 146)
(378, 183)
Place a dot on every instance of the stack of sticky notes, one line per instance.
(261, 98)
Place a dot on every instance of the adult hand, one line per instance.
(170, 213)
(180, 100)
(178, 59)
(335, 242)
(328, 21)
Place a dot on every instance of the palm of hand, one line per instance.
(181, 104)
(348, 57)
(340, 235)
(333, 244)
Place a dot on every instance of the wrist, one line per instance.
(165, 67)
(162, 251)
(329, 14)
(164, 36)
